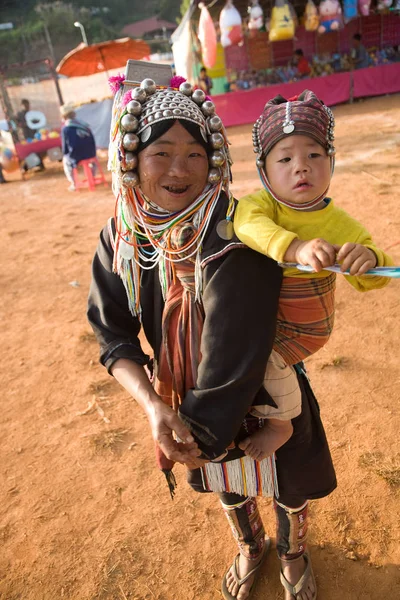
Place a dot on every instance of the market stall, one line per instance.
(243, 107)
(30, 100)
(265, 47)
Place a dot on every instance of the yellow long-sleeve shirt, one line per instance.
(269, 227)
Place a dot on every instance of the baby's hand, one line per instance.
(317, 253)
(355, 258)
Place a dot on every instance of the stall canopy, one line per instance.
(102, 57)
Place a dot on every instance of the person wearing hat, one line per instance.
(293, 220)
(168, 262)
(77, 142)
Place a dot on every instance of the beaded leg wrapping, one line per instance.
(246, 524)
(291, 530)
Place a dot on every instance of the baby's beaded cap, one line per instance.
(302, 115)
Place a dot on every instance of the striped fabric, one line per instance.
(243, 476)
(305, 316)
(182, 324)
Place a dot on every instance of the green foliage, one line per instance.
(184, 6)
(102, 20)
(170, 10)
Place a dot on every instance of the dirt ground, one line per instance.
(84, 512)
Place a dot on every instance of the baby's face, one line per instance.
(298, 169)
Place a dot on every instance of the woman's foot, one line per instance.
(268, 439)
(294, 587)
(240, 579)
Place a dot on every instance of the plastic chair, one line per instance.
(89, 179)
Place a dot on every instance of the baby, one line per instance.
(293, 221)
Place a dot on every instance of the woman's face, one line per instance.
(173, 170)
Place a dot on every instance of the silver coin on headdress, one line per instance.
(149, 86)
(134, 108)
(186, 88)
(129, 122)
(288, 128)
(217, 141)
(214, 176)
(198, 96)
(145, 135)
(214, 123)
(130, 161)
(130, 142)
(217, 159)
(208, 108)
(139, 94)
(130, 179)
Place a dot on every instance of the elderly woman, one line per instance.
(169, 262)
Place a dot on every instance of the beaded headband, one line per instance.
(142, 107)
(302, 115)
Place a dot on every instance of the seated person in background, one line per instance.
(27, 131)
(359, 54)
(21, 120)
(301, 63)
(205, 82)
(77, 142)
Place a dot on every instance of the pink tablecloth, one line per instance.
(238, 108)
(376, 81)
(23, 150)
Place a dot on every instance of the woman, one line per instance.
(169, 262)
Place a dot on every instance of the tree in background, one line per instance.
(184, 6)
(104, 21)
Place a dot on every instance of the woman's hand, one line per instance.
(162, 419)
(163, 423)
(355, 258)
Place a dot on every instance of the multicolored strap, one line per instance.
(381, 271)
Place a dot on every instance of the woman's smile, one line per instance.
(176, 190)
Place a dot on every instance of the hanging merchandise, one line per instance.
(363, 7)
(282, 24)
(208, 37)
(218, 70)
(230, 23)
(350, 10)
(256, 15)
(330, 16)
(311, 18)
(182, 47)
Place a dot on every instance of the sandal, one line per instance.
(256, 572)
(303, 581)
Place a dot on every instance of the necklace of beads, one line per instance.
(141, 225)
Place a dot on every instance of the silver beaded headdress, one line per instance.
(144, 231)
(139, 109)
